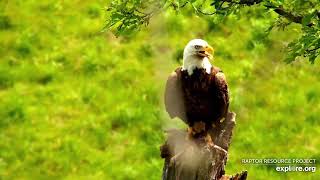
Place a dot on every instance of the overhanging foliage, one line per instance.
(128, 16)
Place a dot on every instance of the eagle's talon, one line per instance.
(198, 127)
(209, 140)
(190, 134)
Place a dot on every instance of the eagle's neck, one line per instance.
(191, 63)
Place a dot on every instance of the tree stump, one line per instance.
(195, 160)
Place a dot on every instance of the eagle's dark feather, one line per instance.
(199, 97)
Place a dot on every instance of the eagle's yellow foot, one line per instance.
(190, 134)
(209, 140)
(198, 127)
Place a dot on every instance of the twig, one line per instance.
(182, 6)
(201, 12)
(244, 2)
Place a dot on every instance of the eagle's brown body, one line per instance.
(197, 97)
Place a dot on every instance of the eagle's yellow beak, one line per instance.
(206, 52)
(209, 51)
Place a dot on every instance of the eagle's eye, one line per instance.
(197, 47)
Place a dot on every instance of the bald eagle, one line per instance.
(197, 92)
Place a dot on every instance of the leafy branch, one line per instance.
(128, 16)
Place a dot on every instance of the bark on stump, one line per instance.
(195, 160)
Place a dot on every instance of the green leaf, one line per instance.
(312, 58)
(307, 19)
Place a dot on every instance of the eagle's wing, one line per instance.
(173, 97)
(223, 92)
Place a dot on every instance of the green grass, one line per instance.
(76, 103)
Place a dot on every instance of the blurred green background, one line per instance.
(76, 103)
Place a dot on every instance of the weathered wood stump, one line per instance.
(196, 160)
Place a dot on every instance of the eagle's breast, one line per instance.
(200, 96)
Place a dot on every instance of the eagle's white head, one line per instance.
(196, 54)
